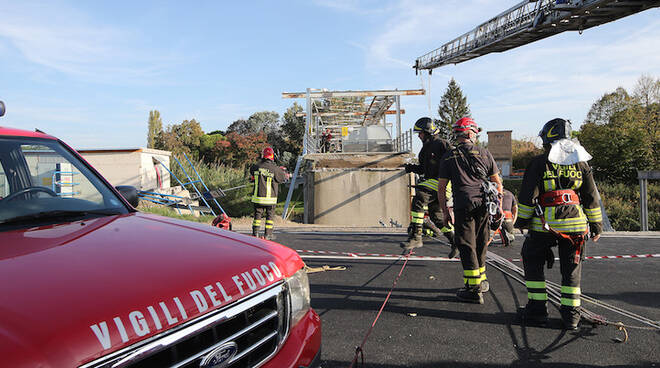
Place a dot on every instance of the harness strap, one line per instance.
(558, 197)
(577, 240)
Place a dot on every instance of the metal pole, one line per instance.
(643, 204)
(205, 187)
(304, 152)
(398, 119)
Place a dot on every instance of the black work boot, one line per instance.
(414, 239)
(454, 249)
(534, 314)
(255, 231)
(470, 294)
(269, 234)
(570, 317)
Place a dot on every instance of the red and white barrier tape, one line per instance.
(358, 255)
(368, 255)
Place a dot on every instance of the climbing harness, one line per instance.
(577, 240)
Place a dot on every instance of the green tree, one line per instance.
(647, 91)
(293, 129)
(208, 149)
(453, 106)
(267, 122)
(609, 104)
(625, 136)
(240, 150)
(523, 151)
(155, 128)
(183, 138)
(262, 121)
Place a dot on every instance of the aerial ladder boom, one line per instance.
(530, 21)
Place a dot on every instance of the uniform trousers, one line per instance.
(259, 211)
(471, 238)
(425, 198)
(535, 252)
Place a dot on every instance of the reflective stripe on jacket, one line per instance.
(267, 177)
(433, 185)
(542, 176)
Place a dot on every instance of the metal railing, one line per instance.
(403, 143)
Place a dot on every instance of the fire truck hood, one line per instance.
(106, 283)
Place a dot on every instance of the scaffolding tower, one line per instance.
(344, 111)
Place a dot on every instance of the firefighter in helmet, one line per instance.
(560, 205)
(267, 177)
(476, 189)
(426, 196)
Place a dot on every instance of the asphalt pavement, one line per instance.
(423, 325)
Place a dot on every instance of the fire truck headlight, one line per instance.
(298, 286)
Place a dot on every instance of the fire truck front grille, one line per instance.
(257, 326)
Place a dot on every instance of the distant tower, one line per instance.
(499, 145)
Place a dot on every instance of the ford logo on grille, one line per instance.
(220, 356)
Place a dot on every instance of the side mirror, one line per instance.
(130, 194)
(2, 108)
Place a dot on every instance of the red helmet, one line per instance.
(463, 125)
(268, 153)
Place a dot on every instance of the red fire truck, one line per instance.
(88, 281)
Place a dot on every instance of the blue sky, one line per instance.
(88, 72)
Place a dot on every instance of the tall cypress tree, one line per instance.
(155, 128)
(452, 107)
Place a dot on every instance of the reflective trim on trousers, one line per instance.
(570, 302)
(536, 290)
(570, 296)
(537, 296)
(472, 277)
(417, 217)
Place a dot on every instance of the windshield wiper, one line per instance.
(56, 214)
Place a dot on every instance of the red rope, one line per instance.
(359, 352)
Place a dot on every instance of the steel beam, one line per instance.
(351, 113)
(331, 94)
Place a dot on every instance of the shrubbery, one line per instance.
(236, 202)
(621, 203)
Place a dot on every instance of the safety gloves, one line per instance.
(595, 229)
(411, 167)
